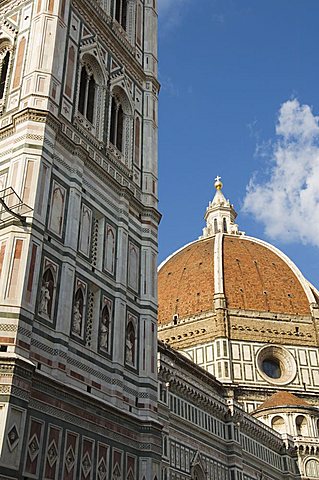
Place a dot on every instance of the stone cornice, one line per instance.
(42, 116)
(179, 360)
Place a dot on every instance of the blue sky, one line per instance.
(240, 99)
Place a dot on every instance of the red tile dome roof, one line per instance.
(283, 399)
(252, 274)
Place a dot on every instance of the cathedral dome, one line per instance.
(227, 268)
(251, 274)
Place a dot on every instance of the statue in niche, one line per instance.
(77, 318)
(44, 298)
(46, 293)
(129, 350)
(104, 328)
(77, 313)
(130, 344)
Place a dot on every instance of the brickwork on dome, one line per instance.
(255, 278)
(186, 282)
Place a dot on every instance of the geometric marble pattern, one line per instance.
(101, 470)
(13, 438)
(69, 459)
(52, 454)
(33, 447)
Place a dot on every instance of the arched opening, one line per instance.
(4, 73)
(312, 468)
(121, 124)
(86, 105)
(105, 328)
(278, 424)
(215, 226)
(46, 293)
(130, 344)
(198, 473)
(302, 426)
(90, 99)
(117, 124)
(224, 225)
(120, 12)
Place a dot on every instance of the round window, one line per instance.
(276, 364)
(271, 367)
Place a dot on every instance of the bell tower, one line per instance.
(78, 239)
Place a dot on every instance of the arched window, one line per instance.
(121, 124)
(224, 225)
(215, 226)
(198, 473)
(120, 12)
(4, 66)
(117, 124)
(278, 424)
(312, 468)
(46, 294)
(130, 344)
(86, 104)
(302, 426)
(5, 61)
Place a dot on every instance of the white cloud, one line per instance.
(287, 202)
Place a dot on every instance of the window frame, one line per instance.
(5, 49)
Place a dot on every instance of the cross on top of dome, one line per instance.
(220, 214)
(218, 184)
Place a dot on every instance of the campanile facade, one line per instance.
(78, 239)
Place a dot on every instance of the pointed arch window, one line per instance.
(87, 94)
(198, 473)
(120, 12)
(117, 124)
(5, 62)
(4, 73)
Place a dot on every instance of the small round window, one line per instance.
(276, 364)
(271, 367)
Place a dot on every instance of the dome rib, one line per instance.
(254, 276)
